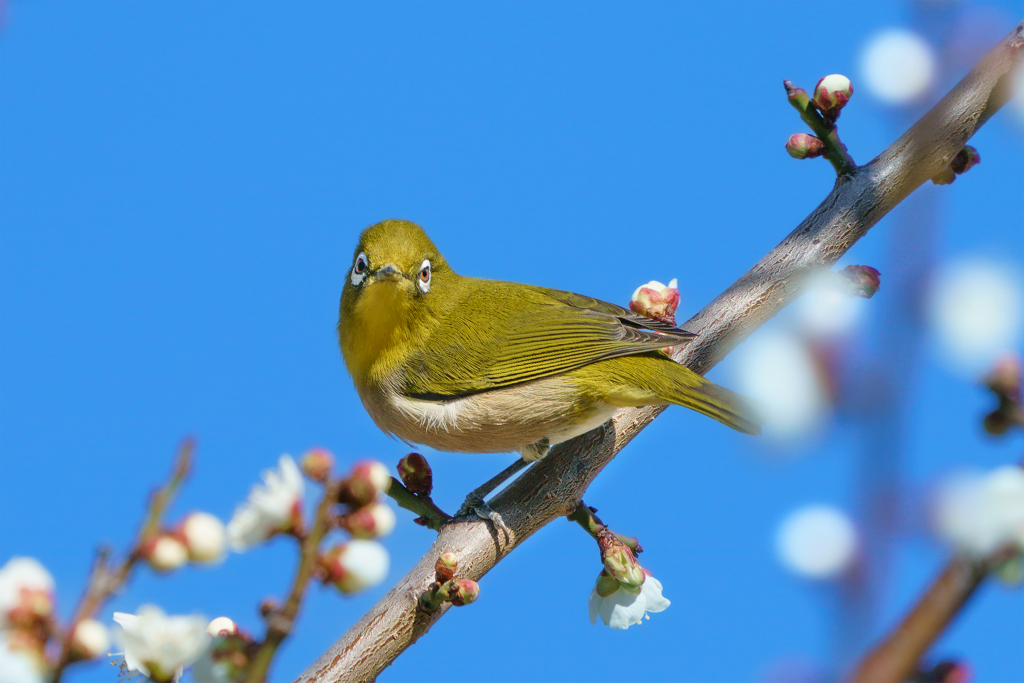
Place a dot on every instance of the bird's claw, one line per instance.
(475, 505)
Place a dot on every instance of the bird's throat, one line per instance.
(376, 338)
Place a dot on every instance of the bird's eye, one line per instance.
(359, 270)
(424, 277)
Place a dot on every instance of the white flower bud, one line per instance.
(90, 640)
(222, 626)
(375, 520)
(166, 553)
(204, 537)
(357, 565)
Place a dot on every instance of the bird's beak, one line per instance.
(389, 271)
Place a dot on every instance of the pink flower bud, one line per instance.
(317, 464)
(415, 473)
(619, 560)
(445, 567)
(356, 565)
(222, 626)
(944, 177)
(965, 159)
(370, 521)
(204, 537)
(1005, 378)
(657, 301)
(832, 93)
(804, 146)
(865, 281)
(165, 552)
(367, 480)
(466, 591)
(90, 640)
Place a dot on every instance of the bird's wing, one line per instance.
(529, 333)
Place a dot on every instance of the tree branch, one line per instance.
(553, 487)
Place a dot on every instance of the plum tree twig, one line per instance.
(553, 487)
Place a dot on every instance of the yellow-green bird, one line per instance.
(470, 365)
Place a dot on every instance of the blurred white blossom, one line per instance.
(19, 664)
(620, 606)
(90, 640)
(160, 646)
(827, 309)
(166, 552)
(357, 565)
(816, 541)
(204, 537)
(975, 309)
(898, 66)
(777, 372)
(270, 508)
(978, 514)
(222, 626)
(375, 520)
(26, 590)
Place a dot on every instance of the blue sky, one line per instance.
(182, 185)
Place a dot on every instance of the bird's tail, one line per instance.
(716, 402)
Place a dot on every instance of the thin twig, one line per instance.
(826, 131)
(104, 580)
(553, 487)
(433, 517)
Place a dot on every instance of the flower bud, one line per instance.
(1005, 378)
(317, 464)
(165, 552)
(619, 560)
(90, 640)
(865, 281)
(445, 566)
(804, 146)
(415, 473)
(204, 537)
(965, 159)
(998, 422)
(367, 480)
(797, 96)
(370, 521)
(356, 565)
(657, 301)
(946, 672)
(832, 93)
(606, 584)
(222, 626)
(269, 607)
(466, 591)
(944, 177)
(26, 594)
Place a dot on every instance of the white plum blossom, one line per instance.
(827, 309)
(979, 514)
(270, 508)
(160, 646)
(204, 537)
(976, 311)
(620, 607)
(26, 590)
(222, 626)
(898, 66)
(166, 553)
(375, 520)
(90, 640)
(817, 542)
(17, 664)
(357, 565)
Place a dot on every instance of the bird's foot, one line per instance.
(475, 505)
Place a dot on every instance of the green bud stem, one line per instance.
(421, 505)
(593, 525)
(835, 150)
(435, 596)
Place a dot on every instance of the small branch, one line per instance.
(280, 622)
(897, 658)
(835, 150)
(104, 580)
(554, 486)
(433, 517)
(587, 518)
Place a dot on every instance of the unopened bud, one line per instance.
(367, 480)
(445, 566)
(965, 159)
(317, 464)
(415, 473)
(90, 640)
(370, 521)
(998, 422)
(355, 565)
(832, 93)
(466, 591)
(204, 537)
(946, 672)
(797, 96)
(944, 177)
(804, 146)
(269, 607)
(657, 301)
(222, 626)
(606, 584)
(619, 560)
(165, 552)
(1005, 378)
(865, 281)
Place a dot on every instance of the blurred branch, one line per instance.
(896, 659)
(553, 487)
(106, 580)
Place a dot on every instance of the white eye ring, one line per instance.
(424, 276)
(360, 269)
